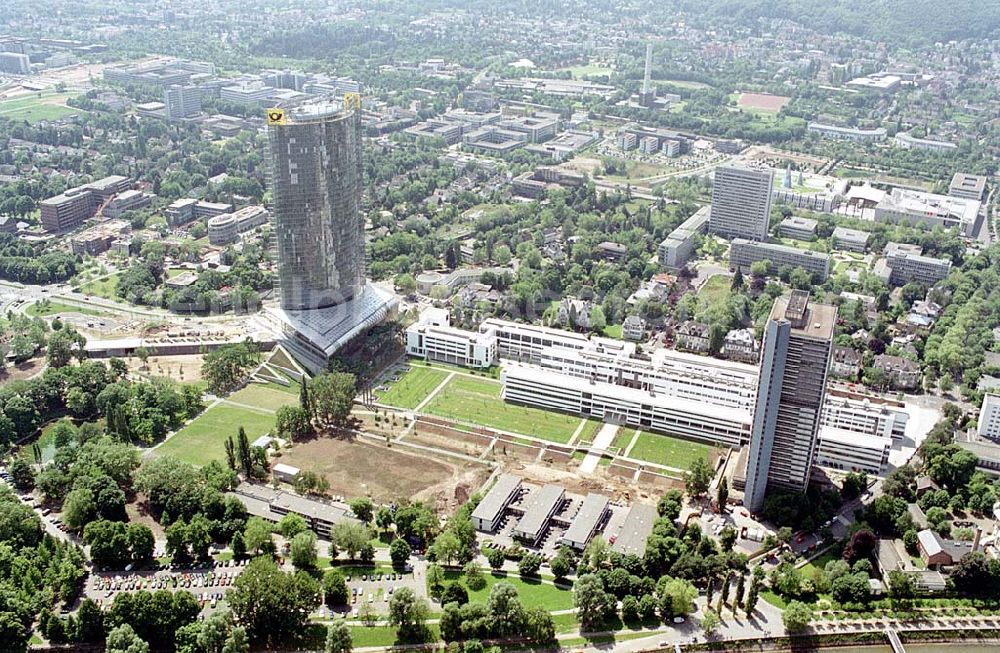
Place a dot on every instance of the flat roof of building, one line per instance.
(594, 507)
(857, 235)
(542, 504)
(819, 319)
(635, 529)
(853, 439)
(497, 498)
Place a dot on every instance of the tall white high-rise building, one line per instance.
(798, 339)
(741, 202)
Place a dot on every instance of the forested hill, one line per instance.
(904, 22)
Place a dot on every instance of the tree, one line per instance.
(435, 580)
(63, 345)
(383, 518)
(494, 557)
(226, 368)
(529, 564)
(676, 597)
(474, 578)
(333, 397)
(797, 616)
(334, 588)
(710, 623)
(338, 637)
(123, 639)
(303, 550)
(22, 475)
(89, 622)
(854, 484)
(292, 423)
(408, 613)
(79, 509)
(291, 525)
(861, 546)
(257, 535)
(561, 564)
(698, 477)
(305, 399)
(455, 593)
(539, 626)
(670, 504)
(598, 321)
(237, 641)
(592, 602)
(363, 509)
(272, 605)
(349, 537)
(506, 613)
(722, 495)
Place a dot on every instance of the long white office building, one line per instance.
(700, 420)
(851, 451)
(668, 391)
(433, 339)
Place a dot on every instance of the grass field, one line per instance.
(590, 430)
(37, 107)
(637, 170)
(623, 438)
(270, 397)
(46, 307)
(667, 450)
(202, 441)
(613, 331)
(532, 593)
(715, 291)
(104, 287)
(412, 388)
(478, 401)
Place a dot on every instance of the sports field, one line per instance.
(669, 451)
(762, 102)
(203, 440)
(478, 401)
(589, 69)
(36, 107)
(412, 388)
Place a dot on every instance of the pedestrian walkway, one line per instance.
(603, 440)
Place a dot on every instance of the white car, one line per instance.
(678, 620)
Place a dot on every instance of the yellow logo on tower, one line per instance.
(352, 100)
(276, 117)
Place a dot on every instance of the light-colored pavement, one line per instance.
(603, 440)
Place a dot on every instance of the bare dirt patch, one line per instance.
(185, 369)
(359, 467)
(763, 101)
(21, 371)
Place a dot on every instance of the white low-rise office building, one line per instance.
(850, 451)
(434, 339)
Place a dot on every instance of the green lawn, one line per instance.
(623, 438)
(667, 450)
(104, 287)
(478, 401)
(715, 291)
(47, 307)
(683, 83)
(613, 331)
(532, 593)
(818, 564)
(36, 107)
(636, 170)
(264, 396)
(203, 440)
(413, 387)
(590, 430)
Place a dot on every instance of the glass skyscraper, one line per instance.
(316, 179)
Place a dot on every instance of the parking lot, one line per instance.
(208, 582)
(375, 588)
